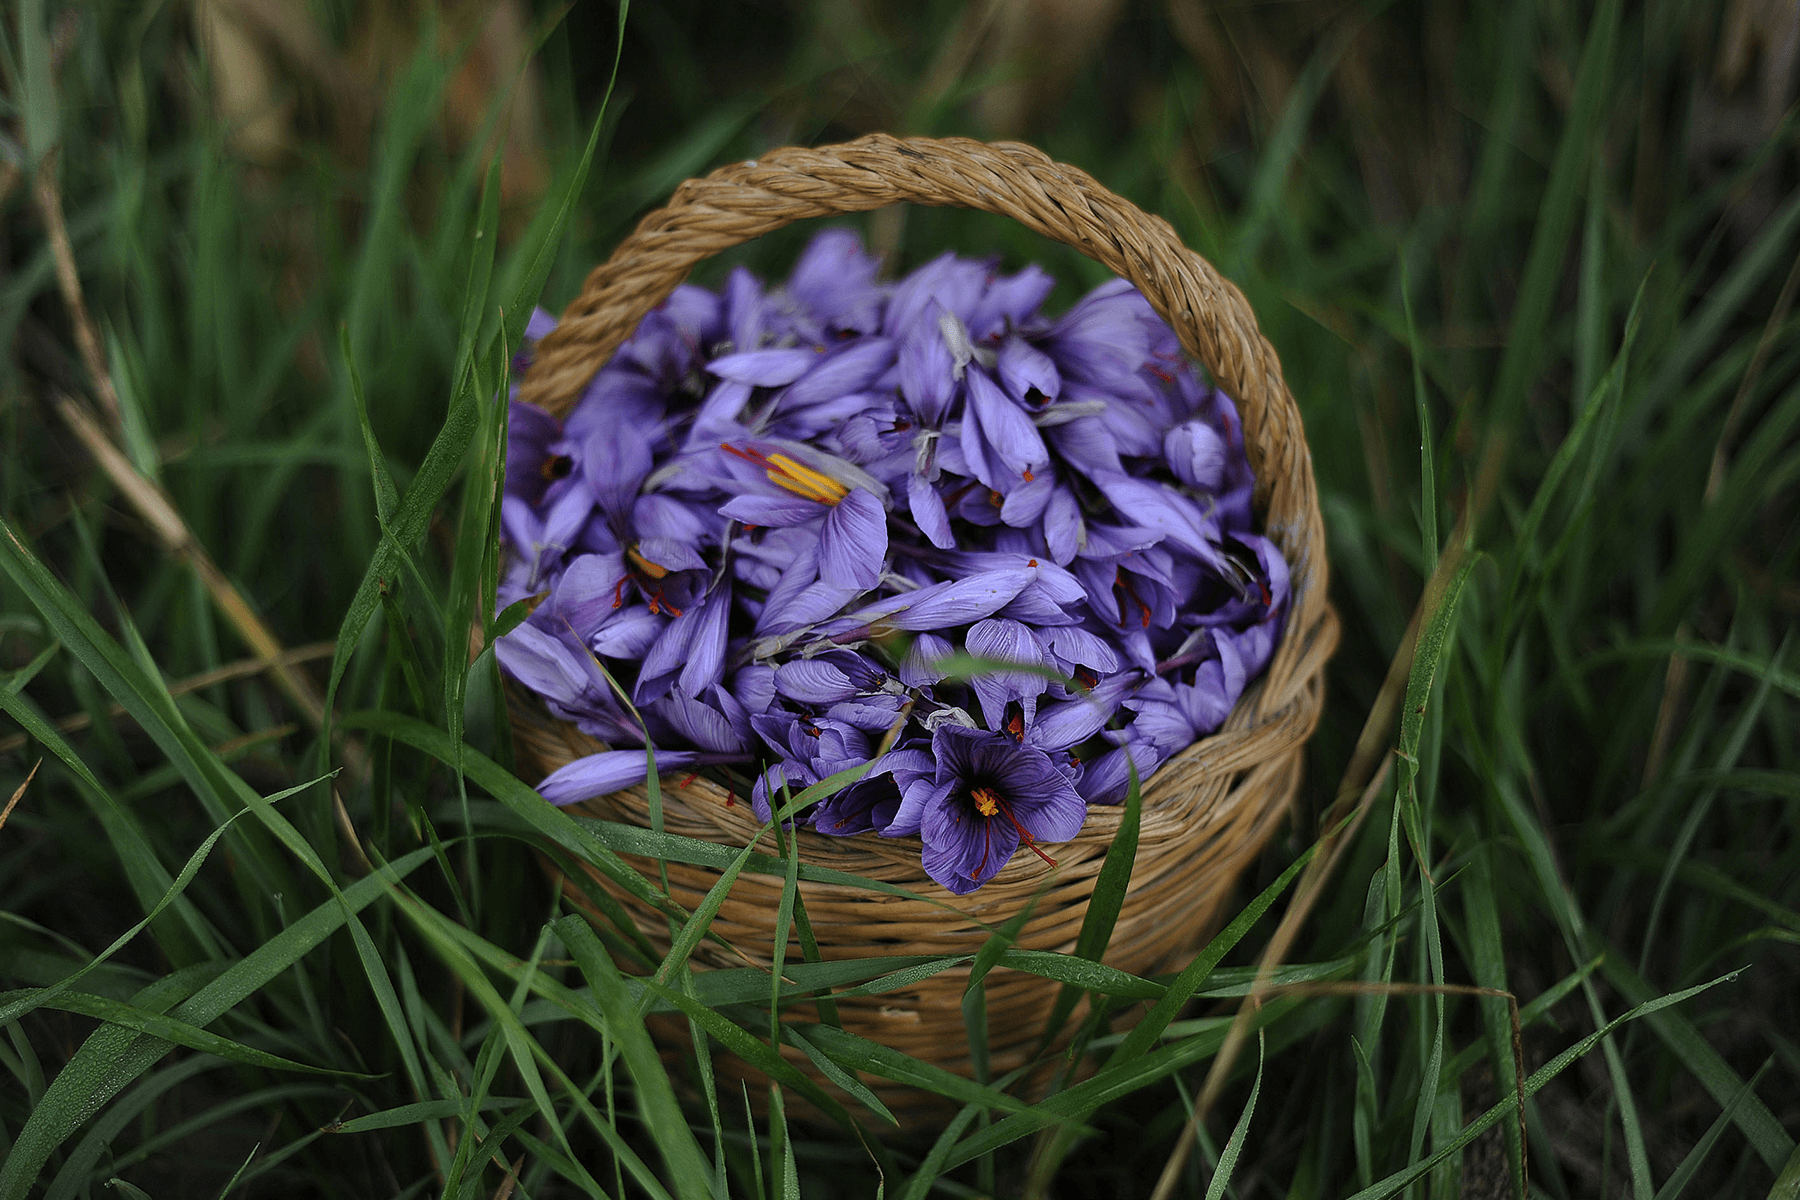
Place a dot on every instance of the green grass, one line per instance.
(1547, 355)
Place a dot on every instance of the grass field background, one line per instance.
(1530, 270)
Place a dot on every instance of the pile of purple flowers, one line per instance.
(778, 518)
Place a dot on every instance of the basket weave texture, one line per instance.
(1207, 812)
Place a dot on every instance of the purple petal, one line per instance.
(917, 794)
(550, 664)
(851, 369)
(1027, 373)
(1037, 605)
(778, 783)
(853, 542)
(1064, 530)
(629, 634)
(1103, 336)
(947, 282)
(810, 606)
(1197, 455)
(872, 714)
(529, 432)
(568, 513)
(586, 592)
(659, 516)
(754, 686)
(746, 309)
(706, 652)
(928, 512)
(926, 375)
(1070, 722)
(1026, 503)
(615, 461)
(813, 681)
(607, 772)
(1006, 431)
(1052, 814)
(1158, 507)
(945, 863)
(974, 453)
(1003, 640)
(836, 279)
(919, 668)
(1011, 300)
(670, 554)
(961, 601)
(1072, 646)
(698, 722)
(863, 807)
(716, 418)
(772, 511)
(1108, 778)
(764, 368)
(1086, 444)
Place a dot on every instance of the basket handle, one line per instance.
(745, 200)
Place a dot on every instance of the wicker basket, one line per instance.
(1207, 812)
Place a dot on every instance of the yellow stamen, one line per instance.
(804, 481)
(987, 801)
(653, 570)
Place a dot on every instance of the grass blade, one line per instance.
(662, 1116)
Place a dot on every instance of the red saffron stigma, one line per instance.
(751, 455)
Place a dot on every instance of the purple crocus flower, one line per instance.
(1002, 446)
(988, 795)
(539, 459)
(552, 662)
(1107, 779)
(851, 521)
(809, 749)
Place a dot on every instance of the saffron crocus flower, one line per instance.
(1002, 446)
(850, 687)
(540, 460)
(690, 650)
(1107, 779)
(550, 661)
(809, 749)
(851, 521)
(988, 796)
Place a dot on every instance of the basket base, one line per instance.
(925, 1020)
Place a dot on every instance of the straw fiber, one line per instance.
(1206, 813)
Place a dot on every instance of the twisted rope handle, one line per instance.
(1211, 317)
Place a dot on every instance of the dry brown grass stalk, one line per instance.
(243, 668)
(19, 792)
